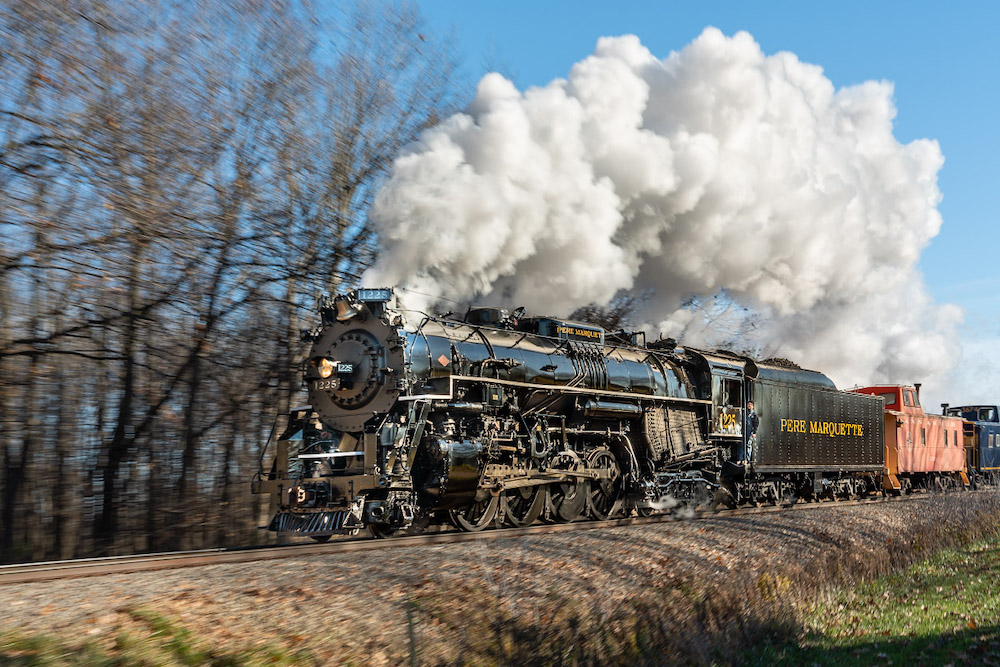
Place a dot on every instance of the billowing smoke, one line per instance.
(737, 192)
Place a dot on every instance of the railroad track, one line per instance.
(86, 567)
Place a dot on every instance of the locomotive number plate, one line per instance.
(331, 384)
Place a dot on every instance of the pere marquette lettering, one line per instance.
(832, 429)
(573, 331)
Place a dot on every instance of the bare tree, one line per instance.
(380, 81)
(177, 182)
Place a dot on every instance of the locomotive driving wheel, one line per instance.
(477, 516)
(567, 499)
(523, 505)
(605, 491)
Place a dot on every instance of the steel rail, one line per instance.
(87, 567)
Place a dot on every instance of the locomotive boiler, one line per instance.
(497, 418)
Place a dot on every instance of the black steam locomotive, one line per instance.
(499, 418)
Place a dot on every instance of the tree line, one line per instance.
(178, 182)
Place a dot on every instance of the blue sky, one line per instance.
(941, 57)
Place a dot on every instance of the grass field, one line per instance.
(945, 610)
(157, 642)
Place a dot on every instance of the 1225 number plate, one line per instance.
(331, 384)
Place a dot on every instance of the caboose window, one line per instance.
(923, 436)
(946, 438)
(908, 398)
(889, 397)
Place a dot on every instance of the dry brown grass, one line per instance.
(693, 619)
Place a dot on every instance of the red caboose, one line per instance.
(921, 450)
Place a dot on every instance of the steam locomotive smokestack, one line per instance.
(743, 193)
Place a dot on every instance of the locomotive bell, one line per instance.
(345, 309)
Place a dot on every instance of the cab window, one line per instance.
(986, 414)
(733, 395)
(730, 415)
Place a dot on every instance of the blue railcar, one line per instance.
(982, 440)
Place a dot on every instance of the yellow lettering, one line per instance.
(573, 331)
(832, 429)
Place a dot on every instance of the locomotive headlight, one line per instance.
(324, 367)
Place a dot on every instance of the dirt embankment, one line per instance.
(685, 592)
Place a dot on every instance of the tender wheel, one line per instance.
(644, 511)
(725, 497)
(522, 506)
(605, 492)
(477, 516)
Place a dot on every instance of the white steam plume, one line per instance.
(715, 171)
